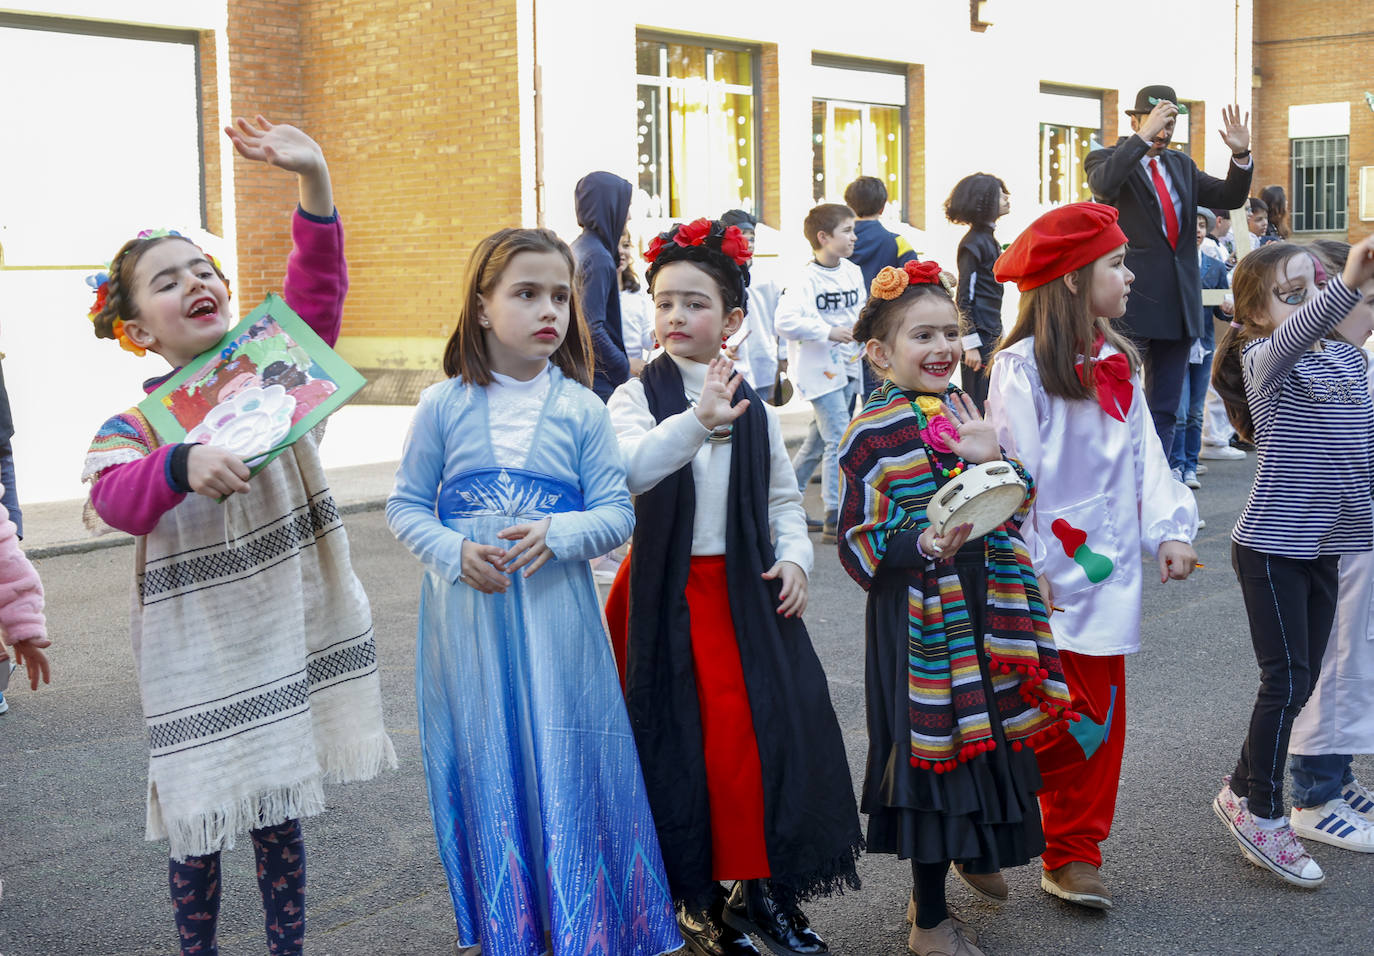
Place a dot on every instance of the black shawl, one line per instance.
(811, 823)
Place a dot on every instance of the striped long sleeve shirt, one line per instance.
(1314, 431)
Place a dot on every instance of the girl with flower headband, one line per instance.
(256, 660)
(742, 754)
(949, 777)
(1066, 398)
(1296, 389)
(509, 482)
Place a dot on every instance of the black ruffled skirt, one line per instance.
(983, 813)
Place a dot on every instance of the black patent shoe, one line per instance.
(783, 927)
(706, 934)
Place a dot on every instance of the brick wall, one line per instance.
(1309, 52)
(916, 145)
(210, 132)
(416, 105)
(768, 139)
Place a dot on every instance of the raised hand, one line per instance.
(286, 147)
(713, 408)
(1235, 132)
(1159, 118)
(1359, 265)
(977, 438)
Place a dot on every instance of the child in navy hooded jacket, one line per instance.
(603, 206)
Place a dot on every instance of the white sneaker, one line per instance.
(4, 705)
(1360, 798)
(1177, 473)
(1221, 453)
(1190, 479)
(1200, 470)
(1334, 822)
(1201, 523)
(1277, 850)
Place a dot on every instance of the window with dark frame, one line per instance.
(697, 125)
(1321, 179)
(859, 128)
(161, 178)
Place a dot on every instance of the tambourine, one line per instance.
(984, 495)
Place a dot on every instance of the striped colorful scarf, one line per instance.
(886, 482)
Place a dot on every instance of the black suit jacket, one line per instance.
(1165, 300)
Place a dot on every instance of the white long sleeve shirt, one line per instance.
(820, 299)
(654, 450)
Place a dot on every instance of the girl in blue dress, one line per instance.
(511, 479)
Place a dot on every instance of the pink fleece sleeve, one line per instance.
(21, 593)
(134, 496)
(317, 274)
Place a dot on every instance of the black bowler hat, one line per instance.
(1156, 93)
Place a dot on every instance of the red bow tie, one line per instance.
(1112, 382)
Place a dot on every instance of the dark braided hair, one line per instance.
(716, 253)
(119, 297)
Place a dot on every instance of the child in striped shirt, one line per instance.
(1291, 389)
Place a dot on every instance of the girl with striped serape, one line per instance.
(961, 669)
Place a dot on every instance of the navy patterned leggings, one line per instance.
(195, 886)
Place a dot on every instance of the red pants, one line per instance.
(734, 777)
(1081, 770)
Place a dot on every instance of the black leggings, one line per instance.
(1291, 604)
(195, 884)
(928, 889)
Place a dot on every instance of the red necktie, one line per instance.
(1166, 202)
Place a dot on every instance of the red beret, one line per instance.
(1062, 240)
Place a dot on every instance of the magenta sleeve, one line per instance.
(134, 496)
(317, 273)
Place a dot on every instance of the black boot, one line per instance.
(706, 934)
(783, 927)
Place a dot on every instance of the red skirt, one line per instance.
(734, 777)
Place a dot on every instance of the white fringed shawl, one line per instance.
(254, 649)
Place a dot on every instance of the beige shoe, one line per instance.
(1078, 882)
(988, 887)
(943, 940)
(965, 929)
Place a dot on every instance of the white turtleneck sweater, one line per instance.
(653, 451)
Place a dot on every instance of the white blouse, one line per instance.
(653, 451)
(515, 407)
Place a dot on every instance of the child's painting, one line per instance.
(267, 382)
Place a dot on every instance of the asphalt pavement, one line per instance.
(79, 878)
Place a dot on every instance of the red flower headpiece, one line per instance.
(730, 240)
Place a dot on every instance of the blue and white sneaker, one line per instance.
(4, 705)
(1336, 823)
(1359, 797)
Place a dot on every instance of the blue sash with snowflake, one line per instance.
(514, 492)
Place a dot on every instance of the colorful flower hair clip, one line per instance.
(728, 240)
(891, 282)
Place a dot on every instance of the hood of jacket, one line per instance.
(603, 205)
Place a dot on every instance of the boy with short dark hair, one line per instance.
(816, 315)
(875, 245)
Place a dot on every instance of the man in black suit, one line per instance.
(1164, 311)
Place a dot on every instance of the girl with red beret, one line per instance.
(1066, 397)
(960, 667)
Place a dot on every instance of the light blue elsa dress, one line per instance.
(534, 780)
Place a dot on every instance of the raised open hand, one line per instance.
(286, 147)
(977, 440)
(1235, 132)
(713, 408)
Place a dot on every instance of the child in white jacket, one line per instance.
(816, 315)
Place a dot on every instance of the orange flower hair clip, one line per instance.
(891, 282)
